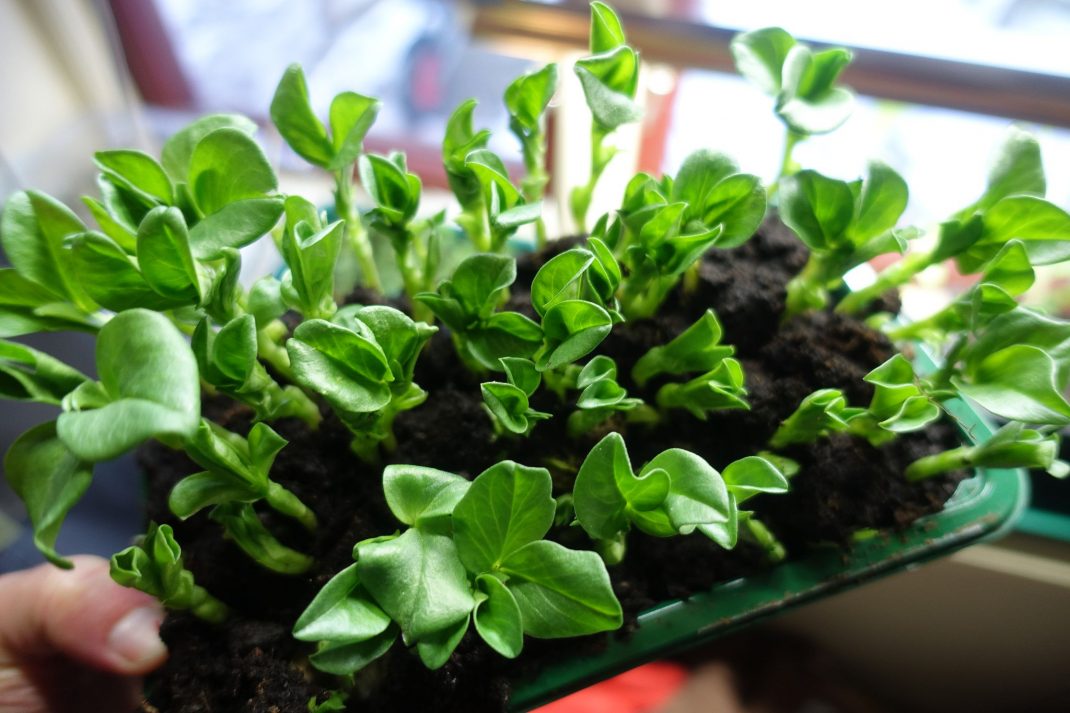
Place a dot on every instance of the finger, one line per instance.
(81, 613)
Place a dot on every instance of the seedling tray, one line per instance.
(982, 507)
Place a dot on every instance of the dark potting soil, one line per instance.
(252, 664)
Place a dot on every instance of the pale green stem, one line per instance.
(283, 501)
(270, 350)
(939, 463)
(355, 233)
(894, 276)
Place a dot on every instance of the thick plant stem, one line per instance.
(299, 405)
(580, 199)
(283, 501)
(208, 607)
(534, 184)
(355, 233)
(929, 466)
(271, 351)
(787, 163)
(894, 276)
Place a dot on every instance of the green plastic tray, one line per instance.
(982, 507)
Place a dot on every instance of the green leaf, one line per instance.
(200, 490)
(345, 659)
(311, 257)
(522, 374)
(347, 369)
(760, 56)
(479, 281)
(818, 209)
(139, 171)
(573, 329)
(725, 534)
(752, 475)
(697, 348)
(505, 334)
(609, 108)
(720, 388)
(808, 102)
(398, 335)
(461, 140)
(527, 97)
(157, 394)
(598, 500)
(235, 226)
(33, 228)
(494, 177)
(228, 166)
(817, 414)
(697, 493)
(1042, 226)
(417, 579)
(164, 256)
(435, 650)
(607, 33)
(1019, 383)
(291, 112)
(395, 195)
(29, 375)
(242, 525)
(508, 404)
(1017, 170)
(118, 230)
(351, 116)
(497, 617)
(178, 149)
(561, 592)
(265, 301)
(700, 172)
(49, 479)
(560, 278)
(883, 200)
(507, 507)
(422, 497)
(342, 612)
(110, 276)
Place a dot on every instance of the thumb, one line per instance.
(80, 613)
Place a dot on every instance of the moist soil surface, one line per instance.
(252, 664)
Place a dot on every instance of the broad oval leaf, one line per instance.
(33, 228)
(351, 116)
(228, 166)
(1019, 383)
(597, 498)
(345, 659)
(238, 224)
(139, 171)
(697, 495)
(417, 579)
(347, 369)
(573, 329)
(158, 393)
(164, 255)
(561, 592)
(560, 278)
(508, 506)
(177, 150)
(818, 209)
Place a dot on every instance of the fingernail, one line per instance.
(135, 639)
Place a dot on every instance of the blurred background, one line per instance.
(939, 82)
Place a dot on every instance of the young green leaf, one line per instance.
(155, 566)
(292, 114)
(341, 612)
(720, 388)
(139, 173)
(423, 497)
(751, 476)
(572, 329)
(177, 150)
(1012, 446)
(29, 375)
(242, 525)
(49, 479)
(697, 348)
(347, 368)
(760, 55)
(822, 412)
(345, 659)
(158, 394)
(497, 616)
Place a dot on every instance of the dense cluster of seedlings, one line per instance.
(157, 282)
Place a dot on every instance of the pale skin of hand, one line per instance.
(74, 640)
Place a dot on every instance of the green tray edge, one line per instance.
(984, 506)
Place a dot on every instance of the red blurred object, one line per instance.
(640, 690)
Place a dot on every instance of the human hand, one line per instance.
(74, 640)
